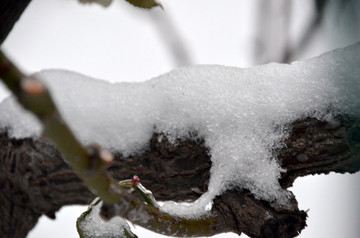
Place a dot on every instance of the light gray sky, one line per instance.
(122, 43)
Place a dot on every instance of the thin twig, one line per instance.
(146, 194)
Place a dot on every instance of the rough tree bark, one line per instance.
(35, 180)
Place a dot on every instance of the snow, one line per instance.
(243, 114)
(91, 225)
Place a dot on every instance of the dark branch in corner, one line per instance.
(10, 12)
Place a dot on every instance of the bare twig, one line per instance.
(147, 195)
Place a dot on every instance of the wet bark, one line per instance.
(35, 180)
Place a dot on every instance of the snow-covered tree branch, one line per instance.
(216, 148)
(234, 139)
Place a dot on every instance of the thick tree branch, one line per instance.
(33, 172)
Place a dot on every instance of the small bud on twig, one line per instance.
(135, 181)
(106, 156)
(32, 87)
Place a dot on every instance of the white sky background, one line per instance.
(121, 43)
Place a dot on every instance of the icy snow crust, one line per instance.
(241, 113)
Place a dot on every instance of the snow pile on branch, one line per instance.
(90, 224)
(241, 113)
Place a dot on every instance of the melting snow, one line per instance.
(242, 114)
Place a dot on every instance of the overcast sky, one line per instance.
(122, 43)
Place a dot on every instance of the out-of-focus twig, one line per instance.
(104, 3)
(147, 4)
(33, 96)
(313, 26)
(273, 21)
(171, 38)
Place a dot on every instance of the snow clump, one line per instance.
(91, 225)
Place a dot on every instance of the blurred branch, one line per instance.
(104, 3)
(147, 4)
(33, 96)
(171, 38)
(10, 12)
(274, 18)
(315, 23)
(273, 21)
